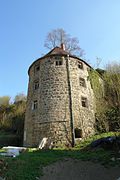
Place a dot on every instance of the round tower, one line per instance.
(60, 103)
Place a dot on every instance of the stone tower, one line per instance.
(60, 103)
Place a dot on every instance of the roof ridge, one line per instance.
(57, 51)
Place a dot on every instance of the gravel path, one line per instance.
(71, 169)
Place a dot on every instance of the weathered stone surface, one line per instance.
(51, 119)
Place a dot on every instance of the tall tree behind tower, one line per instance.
(58, 36)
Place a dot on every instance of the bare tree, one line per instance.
(20, 98)
(58, 36)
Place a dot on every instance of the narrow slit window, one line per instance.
(82, 82)
(37, 68)
(80, 65)
(84, 102)
(36, 85)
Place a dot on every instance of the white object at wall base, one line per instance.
(43, 143)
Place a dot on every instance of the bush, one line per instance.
(113, 117)
(10, 140)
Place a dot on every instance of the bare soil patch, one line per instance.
(72, 169)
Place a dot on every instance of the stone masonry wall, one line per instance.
(84, 117)
(52, 117)
(53, 101)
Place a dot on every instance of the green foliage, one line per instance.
(97, 85)
(113, 117)
(86, 142)
(112, 95)
(10, 140)
(112, 85)
(4, 100)
(107, 96)
(12, 116)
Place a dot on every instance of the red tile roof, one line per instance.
(57, 51)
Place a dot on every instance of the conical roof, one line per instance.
(57, 51)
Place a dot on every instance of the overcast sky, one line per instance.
(25, 23)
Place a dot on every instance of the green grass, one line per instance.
(93, 138)
(29, 165)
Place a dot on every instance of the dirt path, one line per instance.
(70, 169)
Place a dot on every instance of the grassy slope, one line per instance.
(29, 165)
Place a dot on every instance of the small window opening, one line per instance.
(80, 65)
(36, 85)
(37, 68)
(35, 105)
(78, 133)
(84, 102)
(82, 82)
(59, 62)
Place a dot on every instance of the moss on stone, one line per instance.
(96, 83)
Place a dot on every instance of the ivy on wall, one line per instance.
(97, 85)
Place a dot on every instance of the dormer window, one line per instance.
(59, 62)
(82, 82)
(80, 65)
